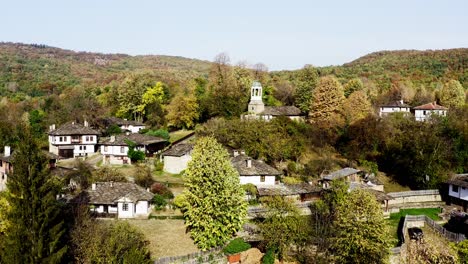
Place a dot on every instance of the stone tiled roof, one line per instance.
(123, 122)
(380, 196)
(73, 129)
(430, 106)
(178, 150)
(139, 139)
(281, 111)
(257, 167)
(340, 174)
(288, 189)
(395, 104)
(48, 155)
(110, 192)
(459, 180)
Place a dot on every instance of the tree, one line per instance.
(38, 230)
(132, 153)
(356, 107)
(360, 231)
(143, 176)
(106, 173)
(327, 102)
(215, 199)
(307, 80)
(352, 86)
(4, 209)
(284, 226)
(182, 112)
(452, 94)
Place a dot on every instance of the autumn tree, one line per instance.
(356, 107)
(38, 230)
(215, 199)
(182, 112)
(352, 86)
(306, 82)
(452, 94)
(360, 231)
(327, 102)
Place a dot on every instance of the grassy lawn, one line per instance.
(166, 177)
(166, 237)
(395, 218)
(176, 135)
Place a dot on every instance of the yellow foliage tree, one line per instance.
(327, 102)
(356, 107)
(182, 112)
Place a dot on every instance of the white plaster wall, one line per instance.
(462, 193)
(112, 209)
(53, 149)
(125, 214)
(114, 150)
(142, 208)
(56, 140)
(3, 180)
(388, 110)
(87, 149)
(176, 164)
(269, 180)
(420, 116)
(415, 199)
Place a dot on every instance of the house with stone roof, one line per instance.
(258, 110)
(425, 111)
(353, 177)
(394, 107)
(119, 199)
(131, 126)
(177, 157)
(73, 140)
(301, 192)
(254, 171)
(458, 189)
(115, 148)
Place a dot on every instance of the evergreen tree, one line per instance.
(307, 80)
(37, 233)
(452, 94)
(215, 199)
(327, 102)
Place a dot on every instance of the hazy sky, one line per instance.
(281, 34)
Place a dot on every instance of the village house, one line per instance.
(124, 124)
(352, 175)
(258, 110)
(114, 149)
(119, 199)
(6, 166)
(458, 189)
(424, 112)
(253, 171)
(302, 192)
(394, 107)
(73, 140)
(177, 157)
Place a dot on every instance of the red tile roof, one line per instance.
(430, 106)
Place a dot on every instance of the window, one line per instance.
(262, 178)
(91, 138)
(454, 188)
(87, 138)
(61, 139)
(105, 149)
(122, 149)
(125, 207)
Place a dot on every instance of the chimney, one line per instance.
(249, 163)
(236, 153)
(111, 184)
(242, 152)
(86, 124)
(52, 127)
(93, 186)
(7, 151)
(73, 122)
(112, 138)
(401, 102)
(148, 189)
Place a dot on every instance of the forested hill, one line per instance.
(428, 68)
(39, 69)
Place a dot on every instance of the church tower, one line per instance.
(256, 105)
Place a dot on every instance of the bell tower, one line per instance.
(256, 105)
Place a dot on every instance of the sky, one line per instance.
(280, 34)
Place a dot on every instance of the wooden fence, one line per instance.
(454, 237)
(211, 256)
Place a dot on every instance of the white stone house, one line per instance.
(114, 149)
(354, 177)
(131, 126)
(119, 199)
(73, 140)
(254, 171)
(177, 157)
(394, 107)
(258, 110)
(458, 189)
(424, 112)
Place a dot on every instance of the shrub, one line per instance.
(235, 246)
(269, 257)
(291, 180)
(159, 202)
(161, 189)
(158, 165)
(159, 133)
(250, 189)
(180, 201)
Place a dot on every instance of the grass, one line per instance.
(390, 185)
(166, 237)
(395, 218)
(162, 176)
(176, 135)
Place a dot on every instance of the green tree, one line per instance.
(327, 102)
(352, 86)
(306, 81)
(361, 234)
(215, 207)
(38, 230)
(452, 94)
(182, 112)
(4, 209)
(134, 154)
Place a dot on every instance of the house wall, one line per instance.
(132, 128)
(422, 115)
(3, 180)
(461, 194)
(384, 111)
(125, 214)
(256, 180)
(142, 208)
(176, 164)
(114, 150)
(415, 199)
(115, 160)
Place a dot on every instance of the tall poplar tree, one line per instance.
(327, 102)
(307, 80)
(37, 229)
(215, 199)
